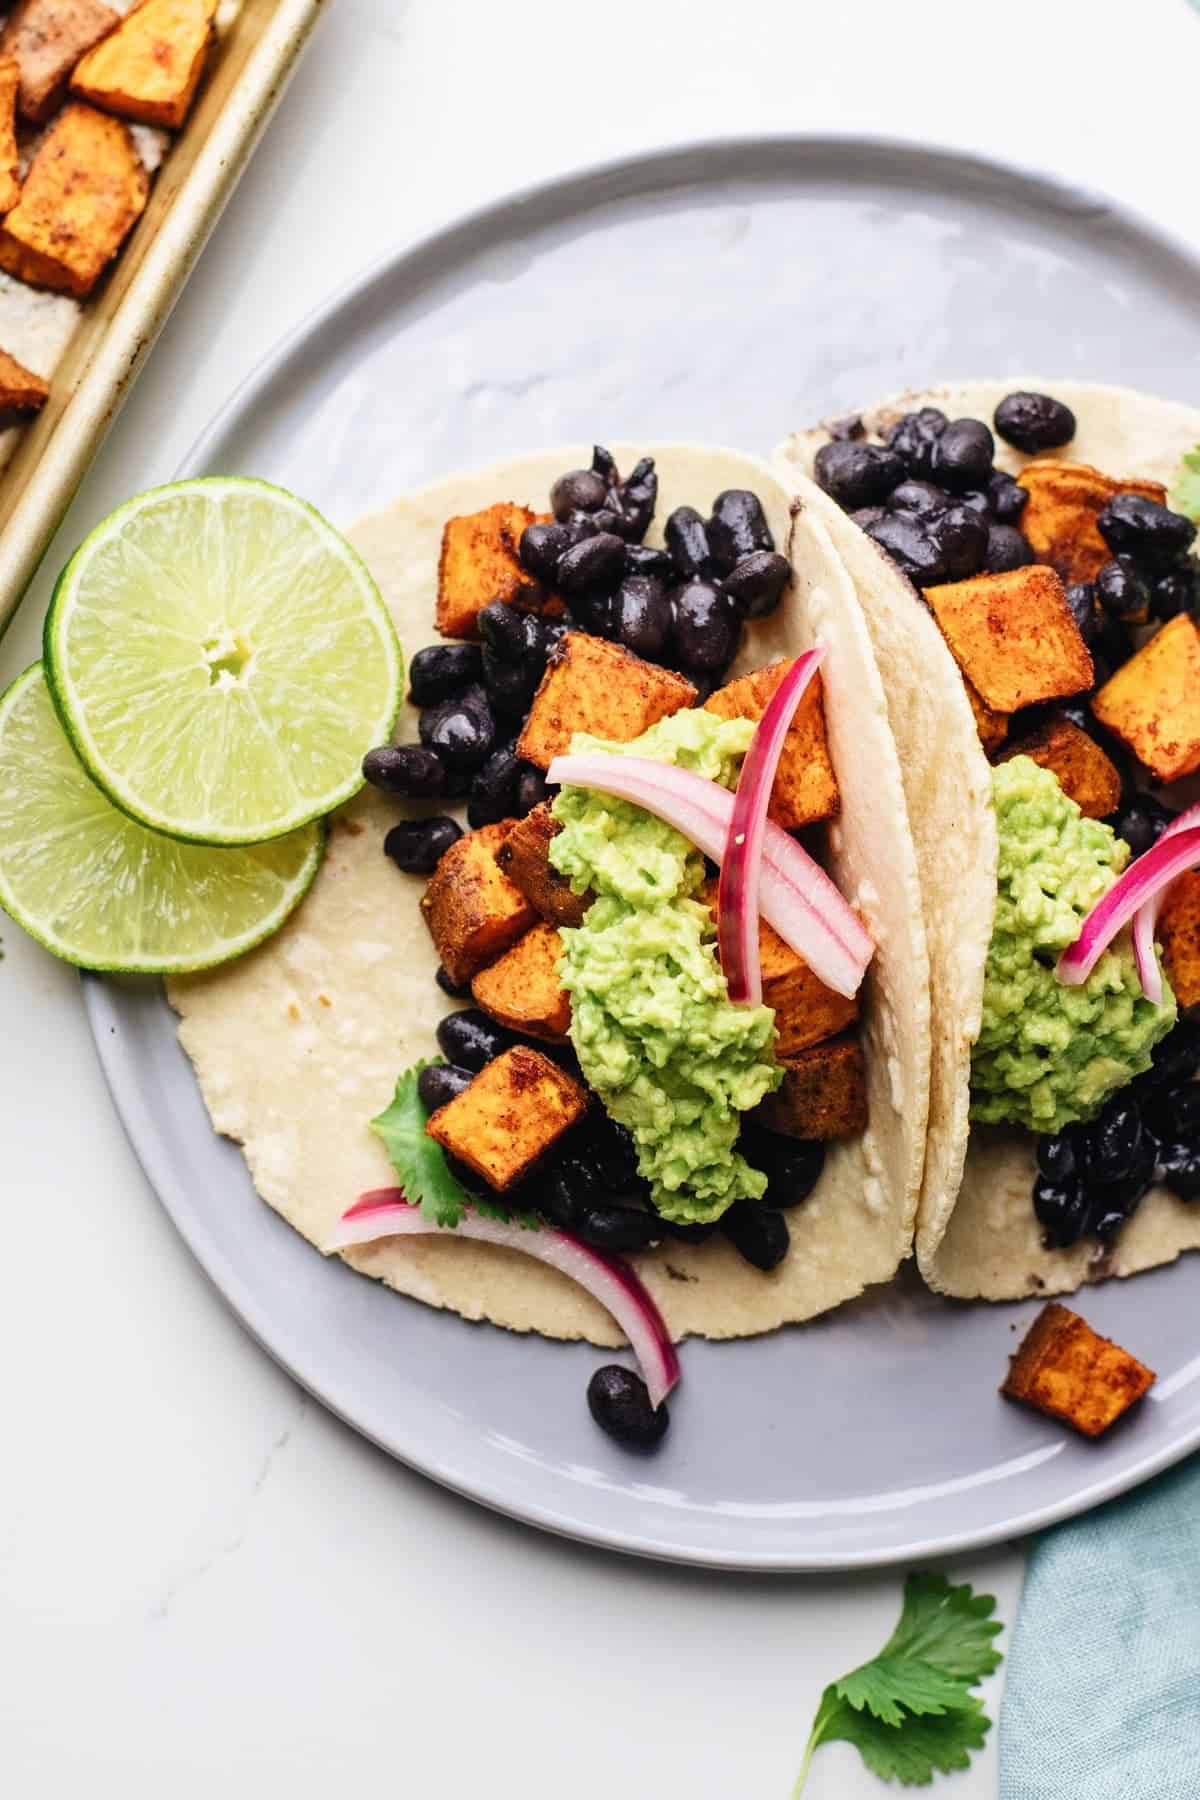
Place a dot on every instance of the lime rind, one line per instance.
(221, 660)
(101, 891)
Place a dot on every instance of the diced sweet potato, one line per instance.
(1013, 636)
(823, 1093)
(525, 858)
(1084, 773)
(479, 564)
(516, 1108)
(1059, 519)
(10, 159)
(20, 389)
(806, 1011)
(521, 989)
(85, 189)
(48, 37)
(805, 786)
(150, 66)
(592, 685)
(1179, 935)
(1152, 703)
(1068, 1371)
(991, 726)
(472, 909)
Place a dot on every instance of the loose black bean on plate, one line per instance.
(469, 1039)
(706, 626)
(440, 670)
(439, 1083)
(962, 455)
(756, 584)
(1033, 422)
(416, 846)
(858, 474)
(911, 545)
(757, 1232)
(914, 436)
(1142, 528)
(619, 1402)
(408, 769)
(687, 543)
(1122, 590)
(1007, 548)
(737, 528)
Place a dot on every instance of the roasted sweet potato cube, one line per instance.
(525, 858)
(823, 1093)
(150, 66)
(85, 189)
(1084, 773)
(521, 989)
(805, 786)
(1179, 935)
(1013, 636)
(1068, 1371)
(592, 685)
(479, 564)
(991, 726)
(10, 158)
(806, 1011)
(48, 37)
(1059, 518)
(513, 1112)
(472, 909)
(20, 389)
(1152, 703)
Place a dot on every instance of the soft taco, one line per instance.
(1023, 553)
(298, 1047)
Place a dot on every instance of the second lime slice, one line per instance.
(222, 661)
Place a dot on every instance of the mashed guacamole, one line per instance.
(1049, 1054)
(651, 1023)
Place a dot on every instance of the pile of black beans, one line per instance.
(1092, 1178)
(1149, 579)
(681, 607)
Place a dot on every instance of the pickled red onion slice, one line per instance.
(1145, 919)
(1142, 882)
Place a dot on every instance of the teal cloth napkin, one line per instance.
(1102, 1697)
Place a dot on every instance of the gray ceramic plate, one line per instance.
(728, 293)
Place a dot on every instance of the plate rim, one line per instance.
(625, 176)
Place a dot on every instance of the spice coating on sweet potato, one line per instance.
(47, 38)
(1013, 636)
(479, 564)
(991, 726)
(85, 190)
(150, 66)
(592, 685)
(473, 911)
(524, 857)
(823, 1093)
(805, 787)
(1179, 935)
(1084, 773)
(20, 389)
(521, 989)
(10, 159)
(1152, 703)
(1059, 518)
(512, 1113)
(1068, 1371)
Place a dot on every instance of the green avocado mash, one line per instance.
(652, 1025)
(1049, 1054)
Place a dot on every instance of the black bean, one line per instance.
(685, 1234)
(510, 685)
(1008, 498)
(706, 626)
(612, 1154)
(858, 474)
(417, 845)
(1122, 591)
(1112, 643)
(866, 516)
(462, 730)
(641, 616)
(737, 528)
(619, 1401)
(1061, 1208)
(687, 543)
(604, 465)
(1179, 1170)
(531, 789)
(407, 769)
(470, 1178)
(506, 631)
(440, 1082)
(609, 519)
(756, 584)
(593, 613)
(1081, 598)
(920, 498)
(593, 567)
(494, 789)
(540, 548)
(1110, 1146)
(440, 670)
(759, 1233)
(846, 430)
(1007, 548)
(1176, 1058)
(1111, 1203)
(1176, 591)
(1033, 422)
(913, 437)
(1139, 527)
(607, 1226)
(456, 989)
(642, 559)
(978, 501)
(962, 455)
(1142, 822)
(792, 1166)
(911, 545)
(963, 539)
(579, 490)
(1056, 1156)
(638, 495)
(470, 1040)
(1173, 1113)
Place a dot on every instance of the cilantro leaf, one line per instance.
(1185, 495)
(910, 1712)
(421, 1166)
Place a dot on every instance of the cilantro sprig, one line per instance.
(421, 1166)
(1185, 495)
(910, 1712)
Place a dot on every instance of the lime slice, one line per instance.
(222, 661)
(102, 891)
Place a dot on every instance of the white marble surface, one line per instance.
(203, 1578)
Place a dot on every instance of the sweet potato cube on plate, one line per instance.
(805, 785)
(991, 726)
(479, 564)
(1084, 773)
(473, 911)
(1065, 1369)
(10, 159)
(1179, 935)
(524, 857)
(806, 1011)
(85, 190)
(20, 389)
(150, 66)
(592, 685)
(1152, 703)
(521, 989)
(513, 1112)
(1059, 518)
(1013, 636)
(47, 38)
(823, 1093)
